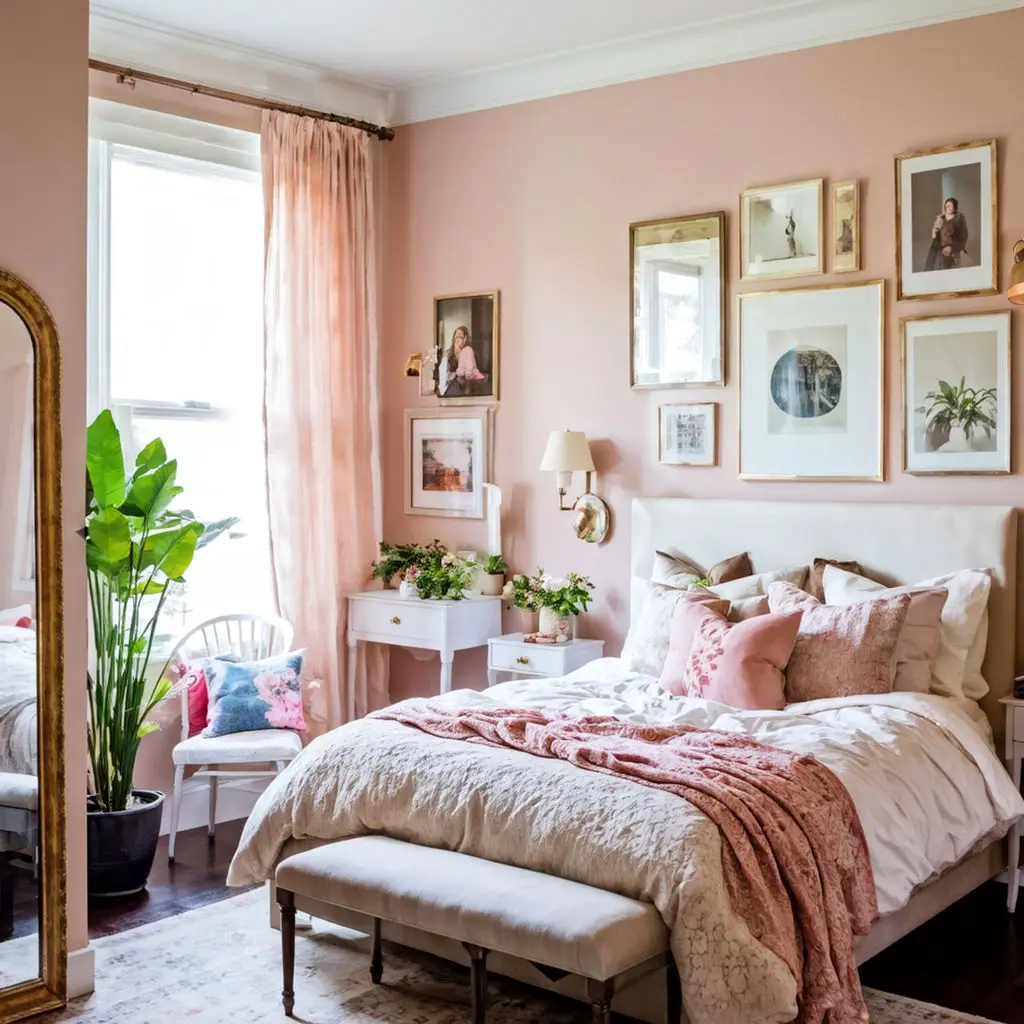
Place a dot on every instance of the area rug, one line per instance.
(221, 964)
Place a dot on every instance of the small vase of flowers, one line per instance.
(427, 572)
(558, 599)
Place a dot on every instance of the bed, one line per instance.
(924, 857)
(18, 689)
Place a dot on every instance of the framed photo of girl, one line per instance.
(947, 223)
(466, 329)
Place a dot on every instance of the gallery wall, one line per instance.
(536, 200)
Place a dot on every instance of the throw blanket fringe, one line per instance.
(794, 855)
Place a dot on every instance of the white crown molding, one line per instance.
(719, 42)
(146, 46)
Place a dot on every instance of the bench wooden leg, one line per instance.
(675, 993)
(478, 981)
(600, 995)
(376, 960)
(287, 904)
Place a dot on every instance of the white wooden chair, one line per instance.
(251, 638)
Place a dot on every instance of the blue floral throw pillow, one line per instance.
(254, 695)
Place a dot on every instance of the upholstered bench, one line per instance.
(561, 927)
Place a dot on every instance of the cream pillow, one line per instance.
(755, 586)
(962, 617)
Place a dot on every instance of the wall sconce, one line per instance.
(568, 452)
(1015, 291)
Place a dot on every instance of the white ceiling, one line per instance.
(424, 58)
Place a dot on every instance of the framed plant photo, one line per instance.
(782, 230)
(956, 393)
(677, 302)
(447, 462)
(845, 226)
(811, 383)
(466, 336)
(688, 434)
(946, 222)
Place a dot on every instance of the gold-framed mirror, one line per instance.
(33, 932)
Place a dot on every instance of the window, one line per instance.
(176, 346)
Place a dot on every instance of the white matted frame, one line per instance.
(466, 432)
(971, 367)
(809, 196)
(846, 447)
(706, 416)
(845, 198)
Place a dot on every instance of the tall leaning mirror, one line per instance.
(33, 945)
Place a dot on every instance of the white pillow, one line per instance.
(755, 586)
(646, 646)
(957, 668)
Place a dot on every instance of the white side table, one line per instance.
(382, 617)
(1014, 757)
(511, 653)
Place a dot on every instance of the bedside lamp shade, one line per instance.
(567, 452)
(1015, 291)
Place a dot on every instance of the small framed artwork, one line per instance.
(688, 434)
(845, 226)
(956, 393)
(947, 222)
(446, 462)
(466, 342)
(677, 302)
(782, 230)
(811, 383)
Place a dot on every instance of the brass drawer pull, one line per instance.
(522, 661)
(396, 621)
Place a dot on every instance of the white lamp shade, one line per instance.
(567, 451)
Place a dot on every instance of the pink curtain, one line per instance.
(320, 400)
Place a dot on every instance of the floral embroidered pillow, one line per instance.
(246, 696)
(740, 664)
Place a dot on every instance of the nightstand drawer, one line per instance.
(402, 619)
(547, 659)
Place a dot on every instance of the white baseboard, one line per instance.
(235, 799)
(81, 972)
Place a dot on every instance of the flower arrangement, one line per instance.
(565, 595)
(398, 559)
(434, 570)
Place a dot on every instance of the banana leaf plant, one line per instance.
(135, 546)
(953, 404)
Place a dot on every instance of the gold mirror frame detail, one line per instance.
(49, 991)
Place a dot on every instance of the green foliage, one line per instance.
(494, 564)
(397, 559)
(134, 546)
(953, 405)
(567, 595)
(445, 578)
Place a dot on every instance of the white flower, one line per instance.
(448, 560)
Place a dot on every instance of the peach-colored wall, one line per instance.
(44, 47)
(536, 200)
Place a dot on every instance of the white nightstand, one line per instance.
(382, 617)
(511, 653)
(1014, 756)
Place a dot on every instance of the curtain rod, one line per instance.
(128, 76)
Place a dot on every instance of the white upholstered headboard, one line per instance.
(895, 543)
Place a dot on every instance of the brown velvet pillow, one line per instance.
(729, 569)
(676, 571)
(816, 586)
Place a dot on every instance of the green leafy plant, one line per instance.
(135, 546)
(445, 577)
(567, 595)
(494, 564)
(397, 559)
(953, 405)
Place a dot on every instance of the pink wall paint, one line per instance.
(44, 47)
(536, 200)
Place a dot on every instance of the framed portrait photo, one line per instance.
(466, 342)
(845, 226)
(688, 434)
(811, 383)
(782, 230)
(946, 222)
(446, 462)
(956, 393)
(677, 302)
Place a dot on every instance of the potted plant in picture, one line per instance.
(955, 413)
(135, 547)
(558, 598)
(492, 581)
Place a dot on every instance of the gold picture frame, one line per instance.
(779, 233)
(877, 324)
(694, 246)
(914, 227)
(467, 321)
(845, 206)
(710, 459)
(917, 464)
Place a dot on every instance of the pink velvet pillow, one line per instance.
(841, 651)
(193, 679)
(740, 664)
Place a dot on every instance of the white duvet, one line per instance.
(18, 689)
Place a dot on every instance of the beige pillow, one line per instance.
(742, 608)
(841, 651)
(756, 586)
(961, 638)
(815, 587)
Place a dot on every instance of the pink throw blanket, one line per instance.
(794, 855)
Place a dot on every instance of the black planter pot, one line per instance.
(122, 845)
